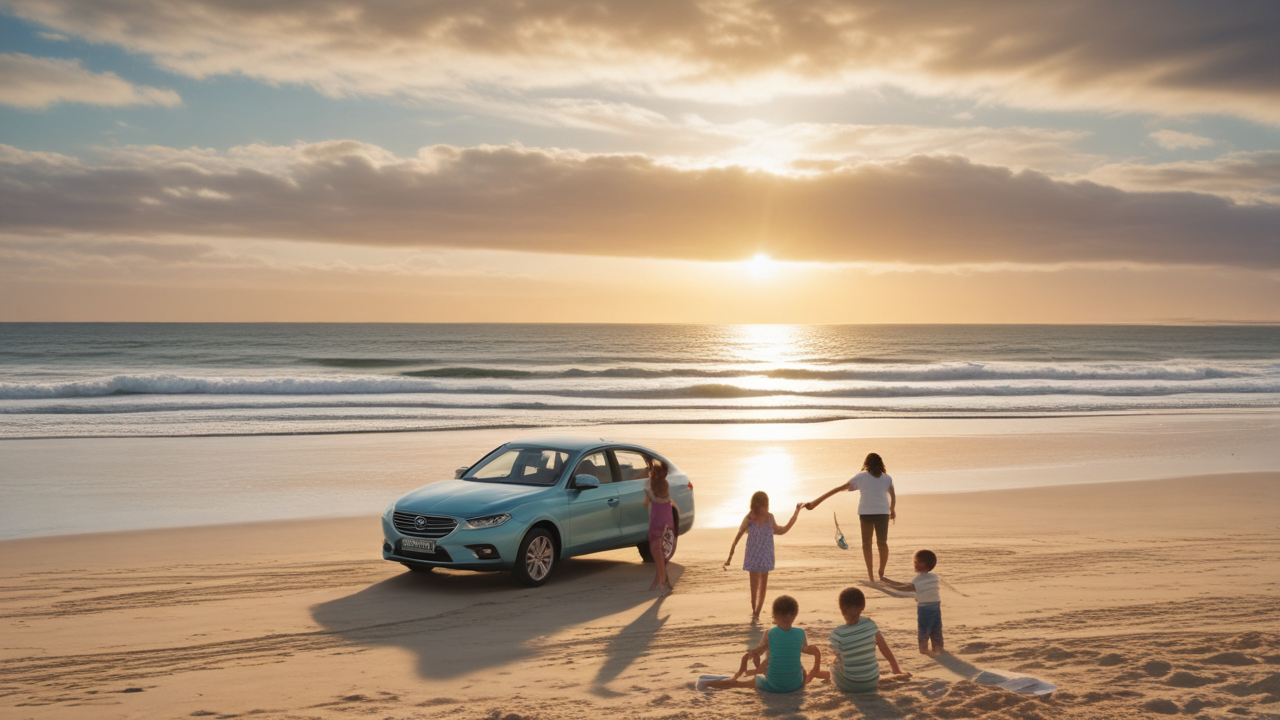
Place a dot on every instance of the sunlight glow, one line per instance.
(771, 470)
(762, 266)
(769, 344)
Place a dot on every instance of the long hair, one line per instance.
(874, 465)
(759, 499)
(658, 479)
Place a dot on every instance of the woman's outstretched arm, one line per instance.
(815, 503)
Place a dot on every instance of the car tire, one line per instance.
(536, 558)
(673, 537)
(646, 554)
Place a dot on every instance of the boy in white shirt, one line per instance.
(928, 601)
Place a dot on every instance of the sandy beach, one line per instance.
(1134, 598)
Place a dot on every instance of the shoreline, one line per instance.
(60, 486)
(1171, 412)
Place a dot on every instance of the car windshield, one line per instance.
(521, 466)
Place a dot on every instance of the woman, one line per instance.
(877, 505)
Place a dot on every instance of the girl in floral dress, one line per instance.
(759, 527)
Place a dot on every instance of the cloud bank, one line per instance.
(1146, 55)
(37, 83)
(922, 210)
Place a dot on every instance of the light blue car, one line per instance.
(531, 503)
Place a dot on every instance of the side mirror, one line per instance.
(457, 474)
(585, 482)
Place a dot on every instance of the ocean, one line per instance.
(72, 380)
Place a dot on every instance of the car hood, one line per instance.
(464, 499)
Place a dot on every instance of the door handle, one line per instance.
(613, 501)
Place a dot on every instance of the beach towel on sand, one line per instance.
(704, 680)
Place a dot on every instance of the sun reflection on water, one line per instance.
(774, 344)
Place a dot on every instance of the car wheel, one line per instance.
(670, 538)
(669, 541)
(536, 558)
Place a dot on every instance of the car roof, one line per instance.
(562, 442)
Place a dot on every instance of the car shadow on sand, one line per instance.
(457, 622)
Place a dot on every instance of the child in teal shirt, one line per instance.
(782, 671)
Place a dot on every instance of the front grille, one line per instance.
(435, 527)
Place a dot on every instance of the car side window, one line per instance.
(631, 465)
(597, 466)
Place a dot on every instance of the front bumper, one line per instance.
(459, 549)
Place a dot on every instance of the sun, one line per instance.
(762, 266)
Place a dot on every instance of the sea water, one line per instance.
(60, 380)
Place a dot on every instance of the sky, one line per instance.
(813, 161)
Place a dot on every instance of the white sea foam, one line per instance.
(59, 380)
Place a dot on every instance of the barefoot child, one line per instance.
(877, 505)
(782, 671)
(760, 528)
(657, 496)
(854, 667)
(928, 601)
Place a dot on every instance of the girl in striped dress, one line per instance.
(759, 527)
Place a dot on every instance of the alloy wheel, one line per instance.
(537, 559)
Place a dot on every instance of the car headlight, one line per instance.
(386, 514)
(487, 521)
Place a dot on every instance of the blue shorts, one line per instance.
(929, 620)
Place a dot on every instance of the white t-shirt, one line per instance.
(927, 588)
(874, 491)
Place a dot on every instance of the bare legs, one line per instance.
(659, 564)
(880, 528)
(759, 583)
(735, 682)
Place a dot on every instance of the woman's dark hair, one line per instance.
(658, 479)
(873, 464)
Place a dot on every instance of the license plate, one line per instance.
(416, 544)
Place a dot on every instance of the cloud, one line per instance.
(1146, 55)
(1244, 176)
(32, 82)
(921, 210)
(810, 145)
(1174, 140)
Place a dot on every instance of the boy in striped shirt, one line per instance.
(855, 668)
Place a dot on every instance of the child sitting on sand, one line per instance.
(782, 671)
(855, 668)
(760, 527)
(928, 601)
